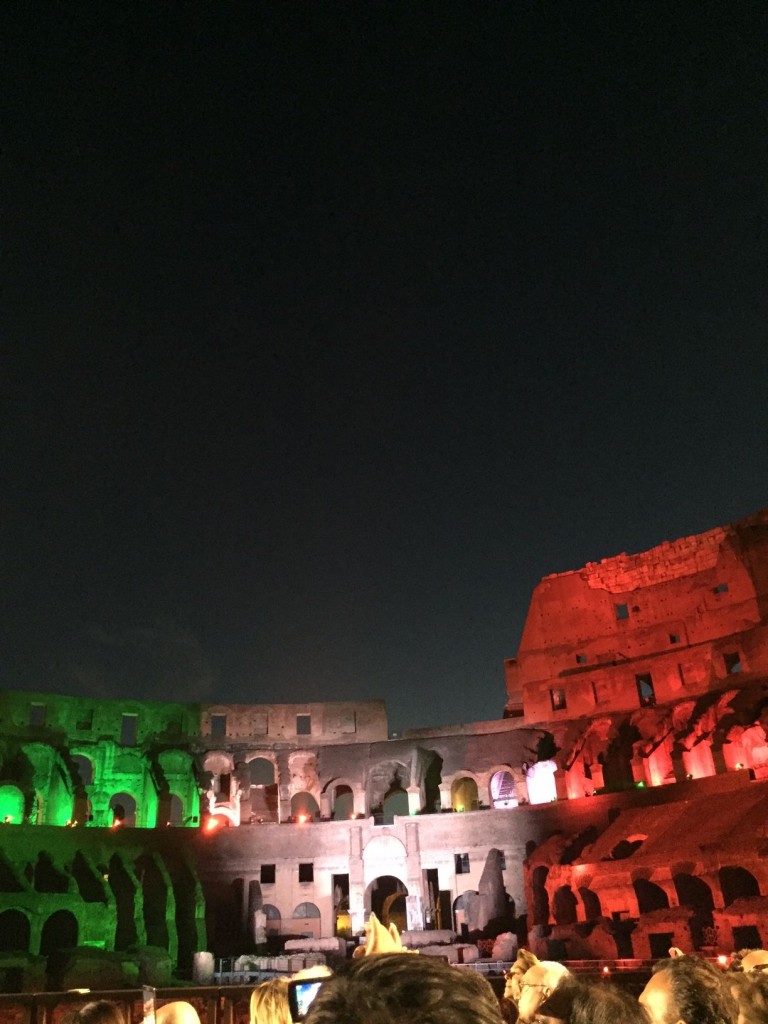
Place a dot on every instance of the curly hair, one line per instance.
(399, 988)
(699, 991)
(101, 1011)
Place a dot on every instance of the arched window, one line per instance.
(464, 794)
(261, 772)
(649, 896)
(503, 790)
(343, 803)
(304, 806)
(122, 808)
(14, 931)
(305, 910)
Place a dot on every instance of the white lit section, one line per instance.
(541, 782)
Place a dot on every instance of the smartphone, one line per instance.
(300, 996)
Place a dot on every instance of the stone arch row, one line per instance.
(118, 903)
(566, 904)
(102, 785)
(252, 790)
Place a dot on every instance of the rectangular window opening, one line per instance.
(622, 611)
(461, 861)
(721, 588)
(581, 659)
(303, 725)
(732, 662)
(129, 727)
(218, 726)
(267, 874)
(306, 872)
(674, 638)
(645, 691)
(557, 696)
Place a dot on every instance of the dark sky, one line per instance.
(329, 329)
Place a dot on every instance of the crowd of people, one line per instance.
(386, 984)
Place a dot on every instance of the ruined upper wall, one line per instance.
(362, 721)
(681, 600)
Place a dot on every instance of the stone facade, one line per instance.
(619, 805)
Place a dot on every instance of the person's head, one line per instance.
(269, 1002)
(403, 988)
(176, 1012)
(688, 990)
(538, 983)
(754, 960)
(514, 975)
(750, 991)
(605, 1004)
(557, 1007)
(100, 1011)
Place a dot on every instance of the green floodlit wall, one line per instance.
(78, 761)
(82, 783)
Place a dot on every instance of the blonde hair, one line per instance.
(269, 1002)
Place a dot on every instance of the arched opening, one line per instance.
(540, 895)
(540, 779)
(564, 908)
(59, 932)
(694, 893)
(737, 883)
(649, 896)
(626, 847)
(463, 916)
(14, 932)
(343, 803)
(175, 811)
(464, 794)
(124, 890)
(395, 800)
(83, 773)
(304, 807)
(155, 900)
(592, 908)
(48, 878)
(264, 797)
(122, 811)
(306, 920)
(503, 790)
(89, 884)
(11, 805)
(273, 919)
(385, 897)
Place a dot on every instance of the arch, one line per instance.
(122, 808)
(693, 892)
(649, 896)
(502, 789)
(737, 883)
(274, 919)
(262, 771)
(306, 910)
(564, 905)
(591, 901)
(155, 894)
(11, 805)
(395, 801)
(385, 897)
(343, 802)
(626, 847)
(464, 795)
(384, 855)
(304, 806)
(60, 931)
(175, 811)
(463, 910)
(122, 882)
(540, 780)
(83, 770)
(14, 931)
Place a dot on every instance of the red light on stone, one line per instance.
(213, 825)
(606, 970)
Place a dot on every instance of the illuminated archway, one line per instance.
(464, 794)
(122, 811)
(385, 897)
(503, 790)
(304, 805)
(11, 805)
(649, 896)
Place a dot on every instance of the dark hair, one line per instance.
(699, 991)
(560, 1001)
(101, 1011)
(752, 996)
(605, 1004)
(404, 988)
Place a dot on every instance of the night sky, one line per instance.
(329, 329)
